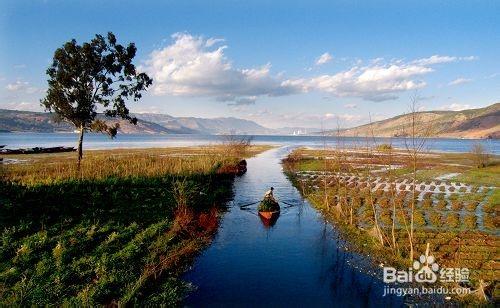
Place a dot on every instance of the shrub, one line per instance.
(384, 147)
(426, 203)
(479, 156)
(470, 221)
(419, 219)
(489, 222)
(471, 206)
(456, 205)
(489, 207)
(441, 204)
(435, 218)
(452, 220)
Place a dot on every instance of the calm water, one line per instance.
(99, 141)
(300, 261)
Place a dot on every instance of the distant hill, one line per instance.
(471, 123)
(207, 126)
(148, 123)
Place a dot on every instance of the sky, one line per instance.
(279, 63)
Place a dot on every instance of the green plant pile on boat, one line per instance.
(268, 205)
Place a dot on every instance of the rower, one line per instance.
(269, 194)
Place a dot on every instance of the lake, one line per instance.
(100, 141)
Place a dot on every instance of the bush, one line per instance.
(456, 205)
(471, 206)
(419, 219)
(441, 204)
(435, 218)
(426, 203)
(452, 220)
(470, 221)
(384, 147)
(479, 156)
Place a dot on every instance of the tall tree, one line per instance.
(97, 75)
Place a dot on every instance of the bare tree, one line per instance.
(369, 148)
(325, 168)
(479, 155)
(415, 135)
(237, 146)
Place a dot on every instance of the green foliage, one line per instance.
(384, 147)
(95, 74)
(86, 242)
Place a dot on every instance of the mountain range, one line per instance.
(477, 123)
(471, 123)
(148, 123)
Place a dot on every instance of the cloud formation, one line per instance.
(456, 107)
(324, 58)
(197, 66)
(437, 59)
(459, 81)
(21, 86)
(194, 66)
(374, 83)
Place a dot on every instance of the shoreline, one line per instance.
(252, 135)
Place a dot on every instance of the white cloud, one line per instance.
(324, 58)
(193, 66)
(351, 105)
(21, 86)
(456, 107)
(374, 83)
(437, 59)
(459, 81)
(197, 66)
(16, 86)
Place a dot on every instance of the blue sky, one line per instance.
(279, 63)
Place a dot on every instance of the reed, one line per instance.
(97, 165)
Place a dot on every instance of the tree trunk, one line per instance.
(80, 148)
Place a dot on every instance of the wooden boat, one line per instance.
(268, 219)
(269, 215)
(269, 211)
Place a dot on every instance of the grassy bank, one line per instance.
(368, 195)
(120, 231)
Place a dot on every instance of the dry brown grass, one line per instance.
(99, 164)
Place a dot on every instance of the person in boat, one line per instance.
(269, 195)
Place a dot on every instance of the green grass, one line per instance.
(120, 231)
(489, 176)
(104, 241)
(311, 165)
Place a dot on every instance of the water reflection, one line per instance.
(298, 260)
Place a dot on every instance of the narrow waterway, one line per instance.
(300, 261)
